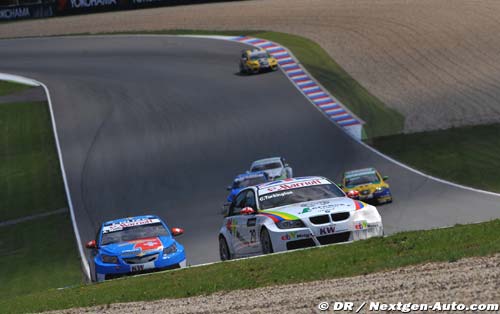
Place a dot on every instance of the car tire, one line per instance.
(265, 242)
(224, 253)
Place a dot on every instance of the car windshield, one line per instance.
(362, 179)
(248, 182)
(272, 165)
(133, 233)
(304, 194)
(259, 55)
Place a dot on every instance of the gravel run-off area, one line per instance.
(467, 281)
(437, 62)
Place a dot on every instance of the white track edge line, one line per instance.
(24, 80)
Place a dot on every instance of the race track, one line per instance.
(161, 125)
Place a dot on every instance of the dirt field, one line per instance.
(437, 62)
(468, 281)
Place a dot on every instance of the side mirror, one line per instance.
(287, 165)
(91, 244)
(177, 231)
(353, 194)
(385, 178)
(247, 211)
(229, 188)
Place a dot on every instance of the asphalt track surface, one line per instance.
(161, 125)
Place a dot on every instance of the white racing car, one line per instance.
(276, 168)
(294, 213)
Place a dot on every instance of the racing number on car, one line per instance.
(253, 236)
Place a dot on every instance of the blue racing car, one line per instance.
(135, 245)
(245, 180)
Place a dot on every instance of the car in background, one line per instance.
(369, 184)
(245, 180)
(291, 214)
(276, 168)
(257, 60)
(135, 245)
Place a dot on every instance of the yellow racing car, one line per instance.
(367, 184)
(257, 60)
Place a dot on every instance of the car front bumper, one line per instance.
(361, 225)
(108, 271)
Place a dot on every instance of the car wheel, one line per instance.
(225, 255)
(265, 242)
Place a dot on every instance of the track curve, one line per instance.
(156, 124)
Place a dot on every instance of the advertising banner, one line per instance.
(24, 12)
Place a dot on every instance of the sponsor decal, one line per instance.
(326, 207)
(241, 238)
(361, 225)
(294, 235)
(137, 251)
(231, 225)
(14, 13)
(147, 244)
(126, 224)
(326, 230)
(305, 210)
(292, 185)
(76, 4)
(251, 222)
(278, 216)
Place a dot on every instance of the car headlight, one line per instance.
(109, 259)
(380, 189)
(289, 224)
(171, 249)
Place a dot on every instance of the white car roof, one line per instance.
(266, 161)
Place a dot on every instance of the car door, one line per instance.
(248, 226)
(233, 223)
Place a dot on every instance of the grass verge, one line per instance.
(408, 248)
(380, 119)
(467, 155)
(10, 87)
(30, 178)
(38, 255)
